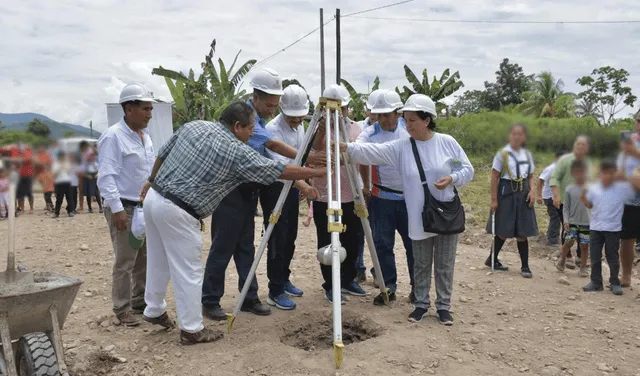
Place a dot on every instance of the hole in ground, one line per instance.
(311, 331)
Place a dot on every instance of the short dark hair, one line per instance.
(578, 165)
(261, 94)
(130, 103)
(608, 164)
(237, 111)
(83, 144)
(423, 115)
(519, 125)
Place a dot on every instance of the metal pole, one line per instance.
(338, 46)
(321, 51)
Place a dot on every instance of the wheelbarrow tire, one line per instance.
(36, 356)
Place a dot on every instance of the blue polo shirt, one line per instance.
(260, 134)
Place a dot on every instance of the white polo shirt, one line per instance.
(282, 131)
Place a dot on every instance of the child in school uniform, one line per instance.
(89, 183)
(76, 172)
(577, 218)
(606, 200)
(512, 198)
(4, 193)
(62, 174)
(545, 196)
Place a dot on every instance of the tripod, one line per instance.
(330, 108)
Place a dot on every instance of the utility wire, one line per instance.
(293, 43)
(372, 9)
(498, 21)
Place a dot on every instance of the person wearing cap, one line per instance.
(445, 166)
(365, 173)
(233, 222)
(387, 208)
(286, 127)
(353, 236)
(195, 170)
(126, 158)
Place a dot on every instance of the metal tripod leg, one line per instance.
(361, 211)
(273, 219)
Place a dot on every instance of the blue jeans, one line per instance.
(387, 216)
(232, 235)
(360, 261)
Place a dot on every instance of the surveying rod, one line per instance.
(301, 156)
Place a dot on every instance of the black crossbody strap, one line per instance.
(423, 178)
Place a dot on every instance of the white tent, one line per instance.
(161, 124)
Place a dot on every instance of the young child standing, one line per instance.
(62, 175)
(577, 218)
(47, 182)
(76, 172)
(90, 182)
(606, 200)
(545, 196)
(512, 198)
(4, 193)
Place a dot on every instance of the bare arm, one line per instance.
(539, 190)
(366, 177)
(583, 198)
(495, 178)
(281, 148)
(292, 172)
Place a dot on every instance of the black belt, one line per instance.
(387, 189)
(178, 202)
(126, 202)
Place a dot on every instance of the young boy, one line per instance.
(62, 173)
(576, 218)
(606, 200)
(546, 196)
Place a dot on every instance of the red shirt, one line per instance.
(44, 161)
(26, 170)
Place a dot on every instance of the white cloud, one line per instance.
(67, 58)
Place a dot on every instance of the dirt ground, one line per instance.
(504, 324)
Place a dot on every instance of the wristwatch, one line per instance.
(151, 179)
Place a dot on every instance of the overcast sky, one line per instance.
(67, 58)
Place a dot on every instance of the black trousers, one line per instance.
(232, 235)
(48, 201)
(611, 243)
(349, 239)
(73, 199)
(62, 190)
(282, 242)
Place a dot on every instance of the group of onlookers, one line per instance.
(69, 177)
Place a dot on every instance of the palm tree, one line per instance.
(358, 100)
(541, 99)
(588, 108)
(437, 89)
(207, 96)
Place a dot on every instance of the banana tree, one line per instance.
(206, 96)
(437, 89)
(358, 100)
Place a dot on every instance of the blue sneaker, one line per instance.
(354, 288)
(328, 294)
(291, 290)
(281, 301)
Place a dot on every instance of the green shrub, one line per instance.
(486, 132)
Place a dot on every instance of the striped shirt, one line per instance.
(203, 162)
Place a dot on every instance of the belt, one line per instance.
(126, 202)
(387, 189)
(178, 202)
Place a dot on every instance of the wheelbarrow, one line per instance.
(33, 309)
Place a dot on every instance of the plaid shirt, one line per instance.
(203, 161)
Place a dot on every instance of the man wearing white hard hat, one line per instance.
(371, 117)
(387, 209)
(126, 159)
(286, 127)
(233, 223)
(352, 238)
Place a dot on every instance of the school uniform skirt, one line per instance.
(90, 187)
(514, 217)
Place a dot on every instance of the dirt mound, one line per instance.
(98, 363)
(310, 331)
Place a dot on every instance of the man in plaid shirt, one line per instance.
(196, 169)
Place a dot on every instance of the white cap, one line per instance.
(371, 100)
(135, 92)
(337, 92)
(294, 101)
(420, 102)
(268, 81)
(386, 102)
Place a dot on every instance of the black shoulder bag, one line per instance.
(439, 217)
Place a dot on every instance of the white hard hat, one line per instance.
(294, 101)
(268, 81)
(338, 92)
(135, 92)
(371, 100)
(387, 101)
(420, 102)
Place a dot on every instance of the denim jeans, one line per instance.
(611, 243)
(232, 235)
(360, 267)
(555, 222)
(440, 252)
(282, 242)
(387, 216)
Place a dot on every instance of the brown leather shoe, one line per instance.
(204, 336)
(128, 319)
(163, 320)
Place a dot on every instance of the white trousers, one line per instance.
(4, 203)
(174, 251)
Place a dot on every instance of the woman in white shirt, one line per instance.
(512, 198)
(445, 165)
